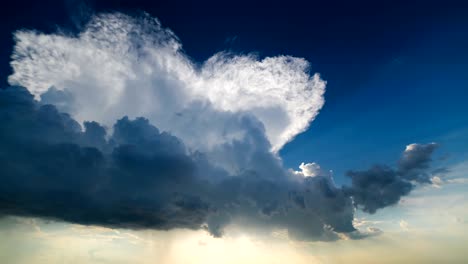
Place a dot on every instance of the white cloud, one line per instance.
(311, 170)
(132, 66)
(436, 182)
(404, 225)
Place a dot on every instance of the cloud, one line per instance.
(211, 161)
(382, 186)
(50, 168)
(120, 65)
(139, 177)
(436, 182)
(310, 170)
(404, 225)
(415, 161)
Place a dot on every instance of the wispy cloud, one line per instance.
(121, 65)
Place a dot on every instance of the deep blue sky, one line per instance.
(397, 71)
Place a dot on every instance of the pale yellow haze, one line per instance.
(25, 241)
(428, 226)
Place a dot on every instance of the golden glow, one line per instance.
(429, 226)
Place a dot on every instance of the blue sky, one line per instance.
(417, 96)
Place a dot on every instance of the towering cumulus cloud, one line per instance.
(121, 65)
(117, 127)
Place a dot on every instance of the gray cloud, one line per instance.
(139, 177)
(415, 162)
(377, 187)
(50, 168)
(382, 186)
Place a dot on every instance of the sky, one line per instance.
(246, 132)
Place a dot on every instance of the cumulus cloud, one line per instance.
(120, 65)
(139, 177)
(212, 159)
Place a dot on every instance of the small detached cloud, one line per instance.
(404, 225)
(310, 170)
(415, 161)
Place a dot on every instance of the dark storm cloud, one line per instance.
(140, 177)
(51, 168)
(382, 186)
